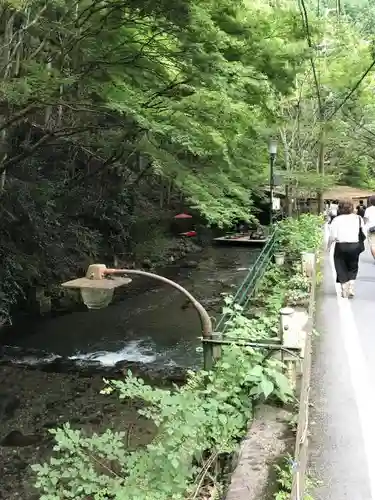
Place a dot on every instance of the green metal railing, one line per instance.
(247, 288)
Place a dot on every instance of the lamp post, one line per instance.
(272, 149)
(98, 286)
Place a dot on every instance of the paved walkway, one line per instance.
(343, 390)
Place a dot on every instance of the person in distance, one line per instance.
(347, 234)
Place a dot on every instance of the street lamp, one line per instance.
(98, 286)
(272, 149)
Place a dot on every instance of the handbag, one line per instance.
(361, 237)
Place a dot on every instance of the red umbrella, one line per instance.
(183, 216)
(189, 233)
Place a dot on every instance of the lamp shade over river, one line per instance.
(96, 288)
(95, 298)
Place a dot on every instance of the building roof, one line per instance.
(337, 192)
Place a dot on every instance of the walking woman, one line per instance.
(333, 210)
(346, 231)
(369, 218)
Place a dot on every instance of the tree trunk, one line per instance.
(288, 199)
(48, 112)
(288, 190)
(6, 64)
(320, 169)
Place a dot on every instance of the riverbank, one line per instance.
(42, 401)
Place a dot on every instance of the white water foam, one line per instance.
(131, 352)
(35, 360)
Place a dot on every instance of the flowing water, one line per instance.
(155, 327)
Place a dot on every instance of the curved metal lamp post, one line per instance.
(272, 150)
(98, 287)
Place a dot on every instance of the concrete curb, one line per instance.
(302, 437)
(266, 439)
(264, 443)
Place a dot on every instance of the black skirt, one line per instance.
(346, 257)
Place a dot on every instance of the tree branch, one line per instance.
(66, 132)
(305, 21)
(19, 115)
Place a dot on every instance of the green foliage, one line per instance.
(302, 234)
(329, 120)
(284, 480)
(112, 111)
(258, 328)
(279, 287)
(270, 293)
(195, 101)
(209, 413)
(299, 289)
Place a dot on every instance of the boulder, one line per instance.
(17, 439)
(9, 403)
(189, 263)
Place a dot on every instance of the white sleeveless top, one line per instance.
(345, 228)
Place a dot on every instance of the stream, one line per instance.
(52, 369)
(155, 327)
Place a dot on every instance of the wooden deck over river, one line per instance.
(240, 240)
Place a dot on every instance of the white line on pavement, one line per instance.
(359, 377)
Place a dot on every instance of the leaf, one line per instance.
(255, 391)
(267, 387)
(282, 382)
(257, 371)
(223, 419)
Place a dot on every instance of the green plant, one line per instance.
(270, 292)
(284, 480)
(302, 234)
(298, 287)
(207, 415)
(240, 326)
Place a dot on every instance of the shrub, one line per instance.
(207, 415)
(303, 234)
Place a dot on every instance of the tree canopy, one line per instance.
(188, 88)
(110, 109)
(105, 104)
(326, 124)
